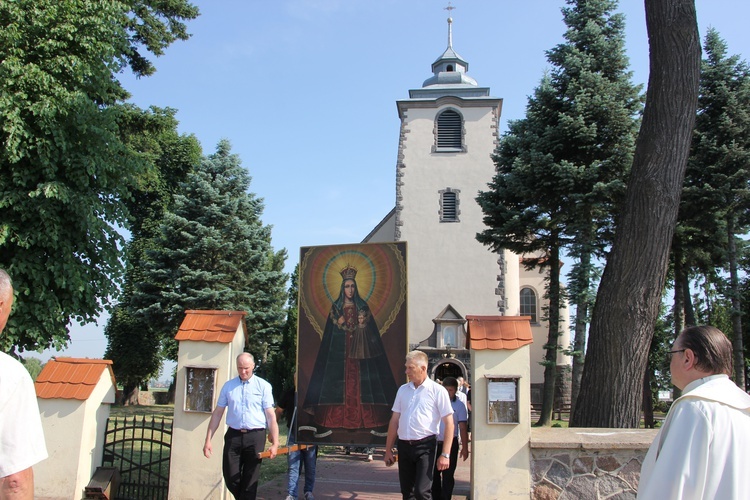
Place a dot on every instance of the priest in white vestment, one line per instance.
(702, 451)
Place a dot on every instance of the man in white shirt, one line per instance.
(703, 449)
(420, 406)
(21, 436)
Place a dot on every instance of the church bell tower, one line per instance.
(449, 130)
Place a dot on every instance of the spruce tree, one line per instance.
(283, 354)
(716, 196)
(629, 296)
(131, 344)
(213, 252)
(561, 169)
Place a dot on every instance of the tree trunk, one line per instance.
(688, 302)
(678, 310)
(737, 347)
(648, 400)
(579, 342)
(130, 394)
(629, 296)
(552, 347)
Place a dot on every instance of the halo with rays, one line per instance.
(381, 280)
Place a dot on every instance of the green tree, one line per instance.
(64, 173)
(593, 124)
(717, 187)
(629, 297)
(524, 215)
(561, 169)
(33, 366)
(132, 345)
(283, 358)
(214, 253)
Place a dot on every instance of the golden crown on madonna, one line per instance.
(349, 272)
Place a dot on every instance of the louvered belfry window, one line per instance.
(449, 130)
(449, 206)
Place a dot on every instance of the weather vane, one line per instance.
(449, 8)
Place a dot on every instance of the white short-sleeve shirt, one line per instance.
(21, 436)
(420, 409)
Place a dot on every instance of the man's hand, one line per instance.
(388, 458)
(207, 449)
(272, 451)
(464, 452)
(443, 463)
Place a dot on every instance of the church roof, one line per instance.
(449, 76)
(498, 332)
(211, 326)
(71, 378)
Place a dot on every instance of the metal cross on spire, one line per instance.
(450, 8)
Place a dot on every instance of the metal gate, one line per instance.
(140, 449)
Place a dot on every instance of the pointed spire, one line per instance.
(449, 8)
(449, 74)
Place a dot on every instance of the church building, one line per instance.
(449, 130)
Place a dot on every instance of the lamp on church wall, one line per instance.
(448, 353)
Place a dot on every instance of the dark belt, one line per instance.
(412, 442)
(244, 431)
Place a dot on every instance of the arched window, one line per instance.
(528, 304)
(449, 128)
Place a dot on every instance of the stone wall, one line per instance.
(587, 464)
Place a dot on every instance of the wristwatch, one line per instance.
(445, 455)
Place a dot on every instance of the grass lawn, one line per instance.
(270, 470)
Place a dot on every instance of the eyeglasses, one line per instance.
(675, 351)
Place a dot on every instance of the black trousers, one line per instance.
(444, 481)
(416, 463)
(241, 464)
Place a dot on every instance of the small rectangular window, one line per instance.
(199, 389)
(449, 205)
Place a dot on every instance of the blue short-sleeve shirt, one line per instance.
(246, 402)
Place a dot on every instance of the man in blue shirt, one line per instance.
(443, 481)
(250, 402)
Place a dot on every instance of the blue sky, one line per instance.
(305, 91)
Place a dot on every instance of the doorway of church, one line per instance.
(448, 369)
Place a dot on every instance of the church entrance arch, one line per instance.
(448, 367)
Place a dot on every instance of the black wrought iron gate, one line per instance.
(139, 447)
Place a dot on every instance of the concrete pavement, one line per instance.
(352, 477)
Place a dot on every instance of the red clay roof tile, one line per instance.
(498, 332)
(71, 378)
(211, 326)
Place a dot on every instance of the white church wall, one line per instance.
(462, 272)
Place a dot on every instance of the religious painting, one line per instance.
(351, 342)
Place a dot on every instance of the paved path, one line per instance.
(352, 476)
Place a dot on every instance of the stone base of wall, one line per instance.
(587, 464)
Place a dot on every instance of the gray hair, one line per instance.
(6, 285)
(418, 358)
(246, 354)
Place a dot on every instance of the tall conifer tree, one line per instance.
(716, 195)
(561, 169)
(629, 296)
(214, 253)
(169, 156)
